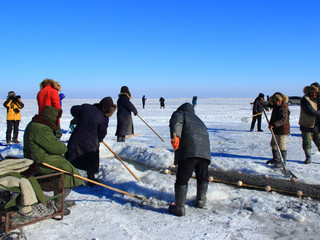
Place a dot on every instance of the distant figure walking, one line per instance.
(258, 105)
(49, 96)
(194, 101)
(124, 118)
(162, 102)
(144, 99)
(13, 104)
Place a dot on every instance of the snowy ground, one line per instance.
(231, 212)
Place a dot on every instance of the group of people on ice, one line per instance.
(279, 125)
(42, 140)
(189, 136)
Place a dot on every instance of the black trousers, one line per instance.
(186, 167)
(254, 119)
(15, 125)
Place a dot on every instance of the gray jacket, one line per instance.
(194, 138)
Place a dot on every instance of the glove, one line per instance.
(175, 143)
(135, 113)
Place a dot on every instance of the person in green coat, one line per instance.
(42, 146)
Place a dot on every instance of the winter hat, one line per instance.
(107, 106)
(278, 96)
(125, 89)
(261, 95)
(50, 82)
(11, 94)
(310, 89)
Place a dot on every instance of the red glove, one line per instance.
(175, 142)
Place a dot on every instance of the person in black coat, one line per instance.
(190, 141)
(124, 118)
(161, 102)
(91, 128)
(258, 106)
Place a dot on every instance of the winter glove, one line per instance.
(16, 110)
(175, 142)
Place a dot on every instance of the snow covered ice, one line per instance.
(231, 212)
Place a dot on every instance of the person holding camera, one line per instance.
(13, 104)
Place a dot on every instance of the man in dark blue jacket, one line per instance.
(190, 141)
(91, 128)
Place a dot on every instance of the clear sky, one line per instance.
(169, 48)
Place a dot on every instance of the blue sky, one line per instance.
(169, 48)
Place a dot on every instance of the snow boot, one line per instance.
(201, 194)
(284, 157)
(58, 201)
(308, 156)
(121, 139)
(178, 208)
(275, 159)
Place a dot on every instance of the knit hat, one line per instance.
(261, 95)
(125, 89)
(107, 106)
(11, 94)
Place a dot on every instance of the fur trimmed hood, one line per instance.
(310, 89)
(50, 82)
(279, 96)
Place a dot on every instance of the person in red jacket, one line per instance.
(49, 95)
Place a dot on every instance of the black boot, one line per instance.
(121, 139)
(201, 194)
(91, 176)
(275, 157)
(308, 156)
(178, 208)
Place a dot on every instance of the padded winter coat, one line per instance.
(48, 96)
(280, 120)
(13, 106)
(258, 106)
(194, 138)
(41, 145)
(309, 116)
(90, 130)
(124, 118)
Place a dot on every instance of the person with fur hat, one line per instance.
(279, 124)
(90, 130)
(124, 118)
(257, 109)
(13, 104)
(49, 96)
(309, 120)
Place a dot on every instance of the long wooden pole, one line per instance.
(97, 183)
(121, 161)
(150, 128)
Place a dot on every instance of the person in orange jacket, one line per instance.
(49, 95)
(13, 104)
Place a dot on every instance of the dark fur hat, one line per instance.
(125, 90)
(107, 106)
(50, 82)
